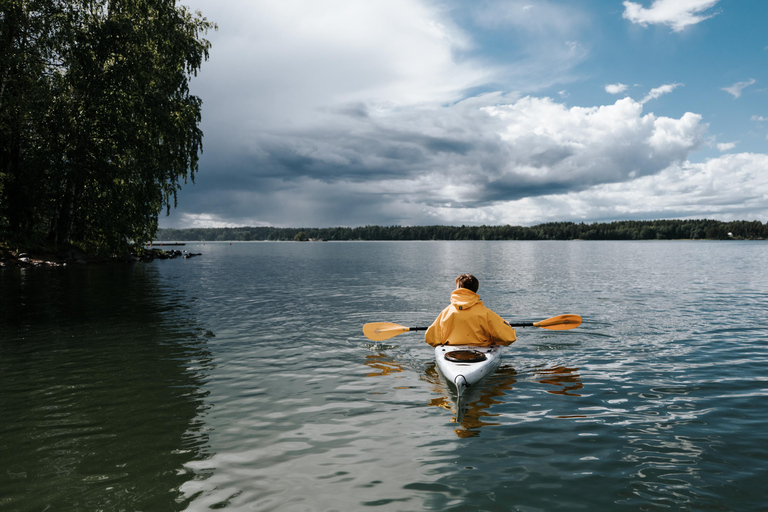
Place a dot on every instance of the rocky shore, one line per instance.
(159, 254)
(75, 257)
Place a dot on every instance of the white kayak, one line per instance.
(465, 365)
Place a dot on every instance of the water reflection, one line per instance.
(562, 377)
(472, 411)
(382, 364)
(102, 389)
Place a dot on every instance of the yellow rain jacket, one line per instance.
(468, 322)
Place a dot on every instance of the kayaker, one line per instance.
(467, 321)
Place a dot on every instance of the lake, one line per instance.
(240, 379)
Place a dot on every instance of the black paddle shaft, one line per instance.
(528, 324)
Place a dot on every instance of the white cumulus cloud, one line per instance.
(678, 14)
(616, 88)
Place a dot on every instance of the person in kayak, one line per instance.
(467, 321)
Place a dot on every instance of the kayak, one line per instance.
(465, 365)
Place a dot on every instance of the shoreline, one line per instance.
(35, 259)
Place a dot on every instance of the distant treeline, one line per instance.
(622, 230)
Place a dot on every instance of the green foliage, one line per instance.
(623, 230)
(98, 124)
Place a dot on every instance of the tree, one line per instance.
(27, 42)
(100, 124)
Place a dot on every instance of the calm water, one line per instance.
(241, 380)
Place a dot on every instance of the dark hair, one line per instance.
(468, 281)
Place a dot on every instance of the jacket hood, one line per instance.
(464, 299)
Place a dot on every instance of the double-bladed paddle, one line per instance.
(380, 331)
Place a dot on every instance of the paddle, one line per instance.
(380, 331)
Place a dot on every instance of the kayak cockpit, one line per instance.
(465, 356)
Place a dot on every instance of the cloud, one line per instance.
(314, 114)
(433, 164)
(713, 189)
(543, 19)
(733, 186)
(549, 145)
(678, 14)
(660, 91)
(616, 88)
(759, 118)
(725, 146)
(291, 65)
(738, 87)
(284, 65)
(207, 220)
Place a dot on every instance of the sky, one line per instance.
(321, 113)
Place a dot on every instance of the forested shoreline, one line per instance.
(703, 229)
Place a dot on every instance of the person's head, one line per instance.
(467, 281)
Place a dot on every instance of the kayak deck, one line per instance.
(465, 365)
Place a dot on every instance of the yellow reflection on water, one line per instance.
(471, 413)
(565, 378)
(383, 365)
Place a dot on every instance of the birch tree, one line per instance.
(98, 124)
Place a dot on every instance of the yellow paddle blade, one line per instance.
(379, 331)
(560, 323)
